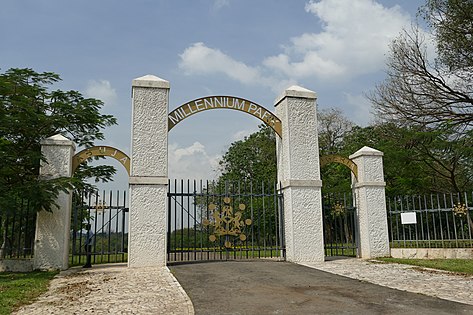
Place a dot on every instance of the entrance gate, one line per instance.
(340, 230)
(224, 221)
(101, 217)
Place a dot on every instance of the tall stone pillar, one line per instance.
(373, 240)
(149, 173)
(51, 247)
(299, 175)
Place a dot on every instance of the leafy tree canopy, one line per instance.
(30, 112)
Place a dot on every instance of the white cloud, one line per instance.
(354, 40)
(240, 135)
(200, 59)
(192, 162)
(101, 90)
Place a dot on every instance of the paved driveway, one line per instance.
(267, 287)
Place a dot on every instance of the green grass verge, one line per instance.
(455, 265)
(18, 289)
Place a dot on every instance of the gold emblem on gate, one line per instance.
(226, 222)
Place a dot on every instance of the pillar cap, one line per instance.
(58, 140)
(150, 81)
(366, 151)
(295, 91)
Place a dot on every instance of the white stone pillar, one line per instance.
(149, 173)
(51, 247)
(299, 175)
(373, 240)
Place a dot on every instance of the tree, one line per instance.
(251, 159)
(427, 92)
(30, 112)
(332, 128)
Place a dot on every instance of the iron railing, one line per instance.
(210, 220)
(17, 232)
(339, 215)
(442, 221)
(107, 215)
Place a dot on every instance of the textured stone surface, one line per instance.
(299, 172)
(16, 265)
(149, 132)
(149, 159)
(112, 289)
(432, 253)
(148, 219)
(51, 246)
(371, 204)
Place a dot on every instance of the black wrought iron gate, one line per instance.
(224, 221)
(102, 217)
(339, 213)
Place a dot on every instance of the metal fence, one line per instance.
(17, 232)
(339, 215)
(224, 221)
(431, 221)
(102, 216)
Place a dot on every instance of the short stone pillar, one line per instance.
(373, 237)
(149, 173)
(51, 247)
(299, 175)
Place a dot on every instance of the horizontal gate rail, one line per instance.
(210, 220)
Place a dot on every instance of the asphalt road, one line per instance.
(268, 287)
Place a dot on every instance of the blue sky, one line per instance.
(250, 49)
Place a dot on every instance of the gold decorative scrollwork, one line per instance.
(226, 222)
(460, 209)
(337, 210)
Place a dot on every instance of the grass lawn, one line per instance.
(17, 289)
(454, 265)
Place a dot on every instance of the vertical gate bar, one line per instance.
(454, 221)
(280, 227)
(27, 229)
(422, 238)
(22, 211)
(390, 213)
(168, 241)
(195, 221)
(446, 218)
(253, 220)
(275, 219)
(188, 220)
(427, 208)
(416, 229)
(75, 203)
(109, 232)
(117, 202)
(468, 218)
(207, 230)
(264, 218)
(434, 223)
(182, 220)
(440, 219)
(13, 230)
(123, 227)
(175, 221)
(461, 219)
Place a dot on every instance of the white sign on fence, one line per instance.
(408, 218)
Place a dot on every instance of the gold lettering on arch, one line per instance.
(227, 102)
(333, 158)
(112, 152)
